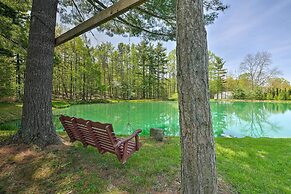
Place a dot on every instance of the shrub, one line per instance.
(270, 96)
(258, 94)
(60, 104)
(239, 94)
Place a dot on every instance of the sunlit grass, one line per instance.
(256, 165)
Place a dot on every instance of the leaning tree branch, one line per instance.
(123, 21)
(83, 18)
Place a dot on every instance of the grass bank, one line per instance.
(13, 111)
(244, 165)
(238, 100)
(60, 104)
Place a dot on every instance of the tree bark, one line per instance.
(18, 79)
(198, 171)
(36, 124)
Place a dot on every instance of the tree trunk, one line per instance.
(36, 124)
(143, 79)
(71, 79)
(198, 171)
(18, 79)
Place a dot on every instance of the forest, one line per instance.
(136, 71)
(144, 70)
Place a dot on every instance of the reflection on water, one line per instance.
(238, 119)
(252, 119)
(127, 117)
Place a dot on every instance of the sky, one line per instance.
(250, 26)
(246, 27)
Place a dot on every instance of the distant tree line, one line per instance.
(256, 81)
(136, 71)
(140, 71)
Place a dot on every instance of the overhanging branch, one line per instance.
(103, 16)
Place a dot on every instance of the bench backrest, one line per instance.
(100, 135)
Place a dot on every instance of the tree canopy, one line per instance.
(154, 20)
(13, 26)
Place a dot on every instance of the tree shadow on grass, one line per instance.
(64, 169)
(75, 169)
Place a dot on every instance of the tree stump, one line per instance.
(157, 134)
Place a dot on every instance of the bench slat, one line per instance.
(99, 135)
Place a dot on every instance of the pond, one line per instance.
(236, 119)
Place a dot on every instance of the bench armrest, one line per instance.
(135, 134)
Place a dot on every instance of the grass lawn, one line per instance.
(244, 165)
(10, 111)
(255, 165)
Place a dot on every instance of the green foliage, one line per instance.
(13, 43)
(277, 88)
(95, 101)
(126, 72)
(7, 82)
(60, 104)
(14, 26)
(270, 96)
(217, 74)
(155, 19)
(258, 80)
(239, 94)
(282, 96)
(174, 97)
(257, 94)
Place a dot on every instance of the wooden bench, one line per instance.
(101, 136)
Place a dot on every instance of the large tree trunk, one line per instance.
(198, 171)
(36, 124)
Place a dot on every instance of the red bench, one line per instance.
(101, 136)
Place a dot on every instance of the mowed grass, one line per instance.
(255, 165)
(248, 165)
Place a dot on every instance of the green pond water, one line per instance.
(237, 119)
